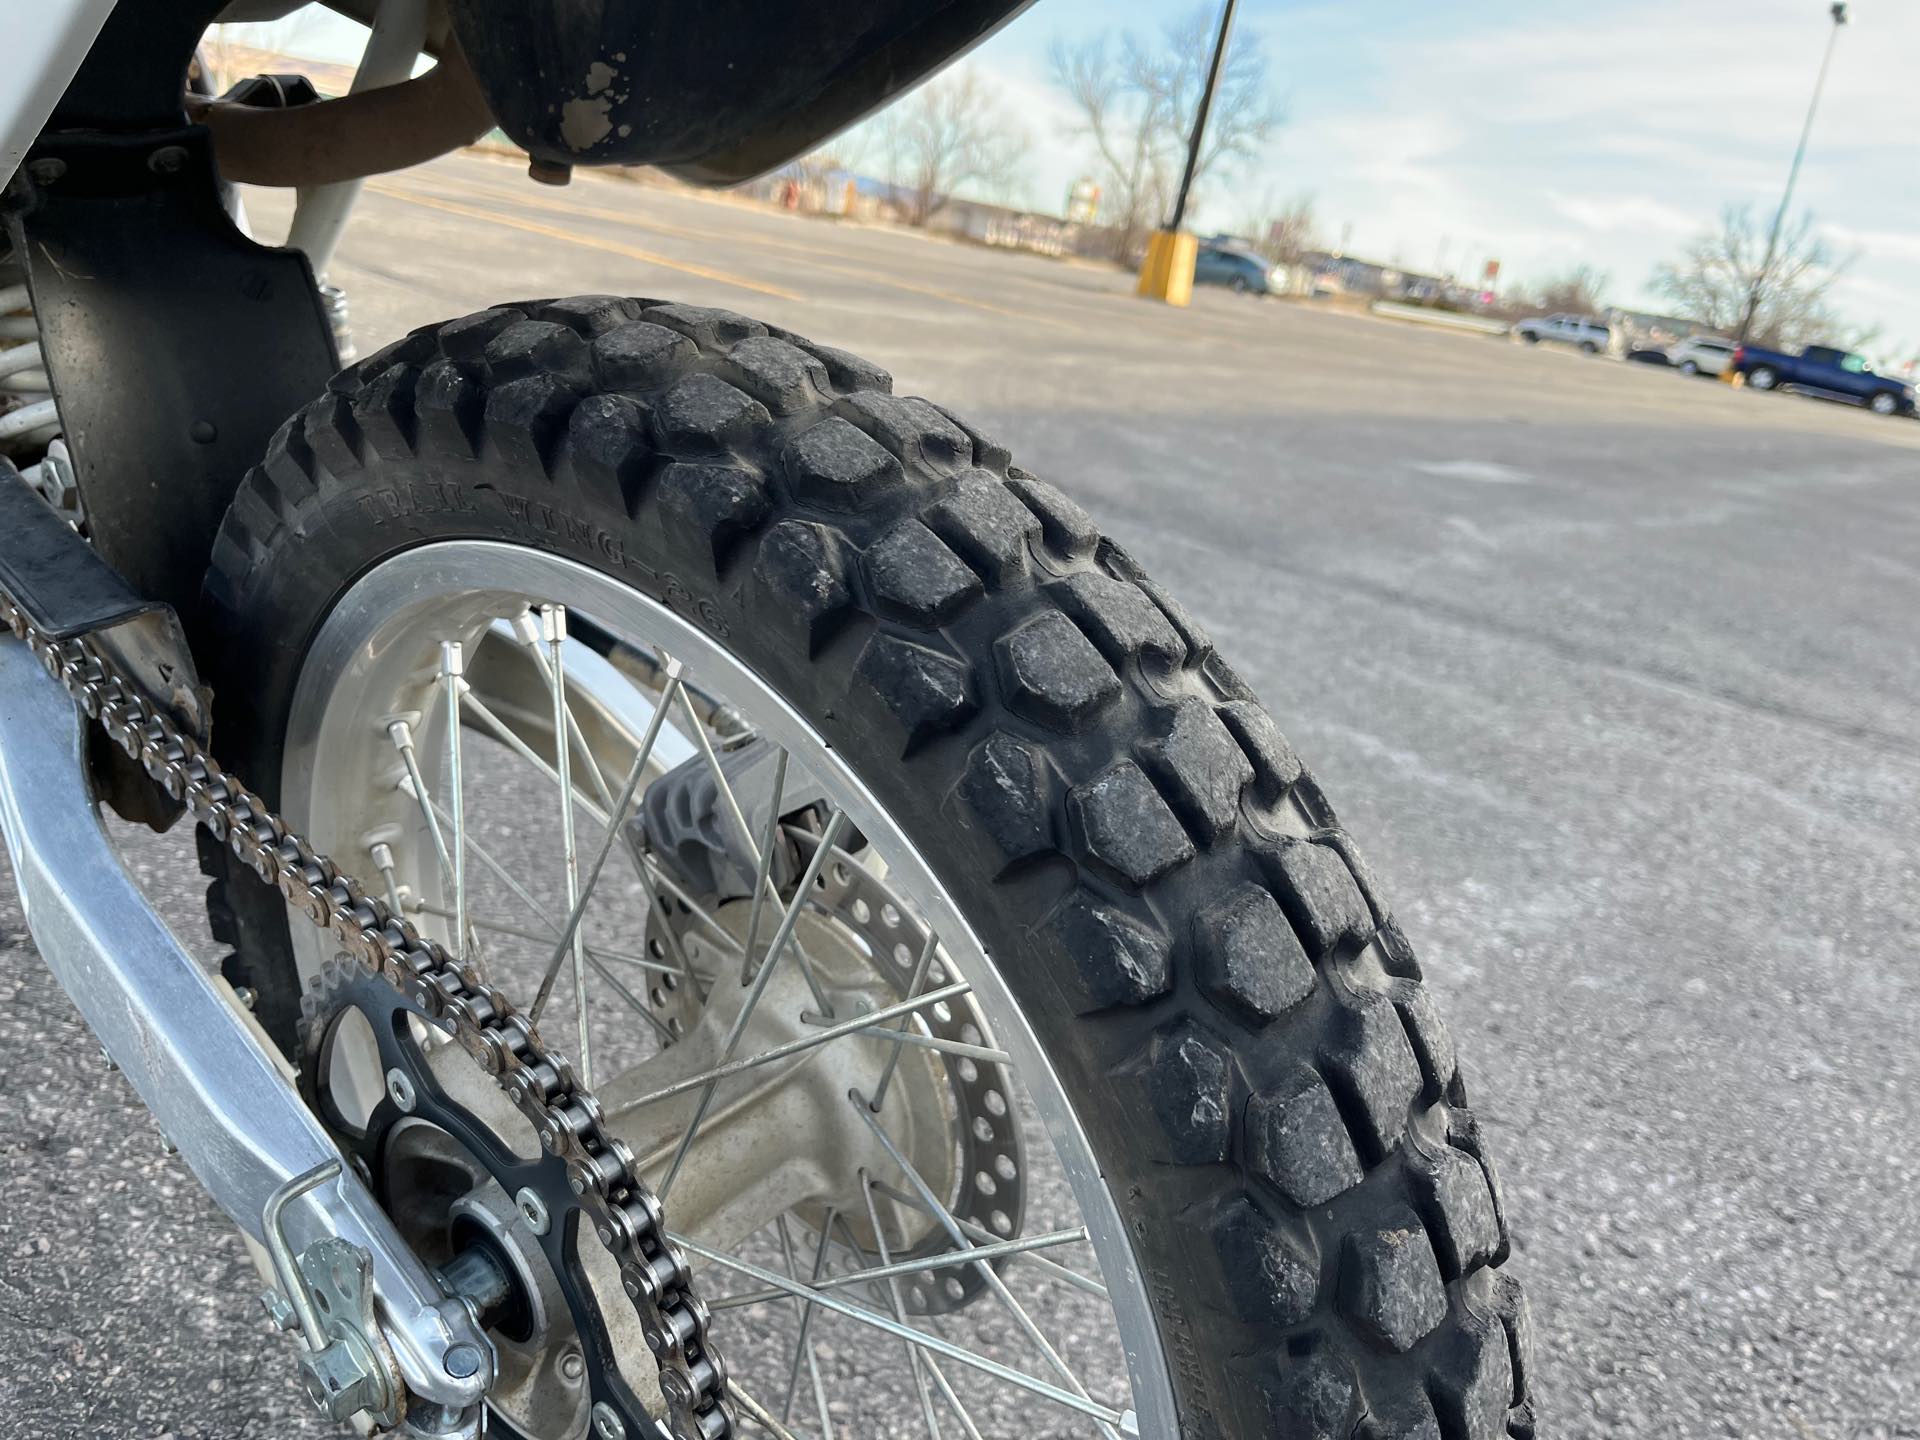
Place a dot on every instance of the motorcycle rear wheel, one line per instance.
(1309, 1238)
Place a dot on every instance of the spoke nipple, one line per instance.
(401, 734)
(452, 659)
(553, 623)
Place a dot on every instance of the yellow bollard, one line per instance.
(1167, 272)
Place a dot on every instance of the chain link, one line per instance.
(601, 1170)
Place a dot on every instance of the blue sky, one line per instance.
(1546, 135)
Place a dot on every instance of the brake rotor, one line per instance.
(866, 914)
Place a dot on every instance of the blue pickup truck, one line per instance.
(1822, 370)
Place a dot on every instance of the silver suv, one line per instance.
(1702, 355)
(1581, 330)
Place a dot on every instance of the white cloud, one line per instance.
(1606, 135)
(1603, 213)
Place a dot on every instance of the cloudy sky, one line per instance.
(1546, 135)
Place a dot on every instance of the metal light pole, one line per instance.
(1200, 116)
(1167, 272)
(1839, 13)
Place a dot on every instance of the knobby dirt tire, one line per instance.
(1241, 1023)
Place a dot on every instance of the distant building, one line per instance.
(1334, 274)
(1643, 330)
(1004, 225)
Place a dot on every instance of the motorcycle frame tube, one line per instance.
(192, 1054)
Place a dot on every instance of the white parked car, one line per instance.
(1583, 331)
(1702, 355)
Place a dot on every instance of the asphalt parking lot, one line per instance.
(1615, 674)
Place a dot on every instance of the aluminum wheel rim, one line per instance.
(331, 719)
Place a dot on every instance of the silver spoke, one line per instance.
(945, 1260)
(401, 734)
(527, 631)
(827, 1300)
(870, 1024)
(1021, 1319)
(780, 1052)
(553, 626)
(763, 863)
(539, 911)
(803, 1346)
(628, 793)
(920, 971)
(758, 1413)
(381, 854)
(694, 908)
(940, 1381)
(614, 984)
(534, 937)
(781, 936)
(761, 860)
(415, 785)
(504, 733)
(891, 1288)
(985, 1236)
(453, 682)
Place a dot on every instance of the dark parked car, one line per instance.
(1233, 266)
(1825, 371)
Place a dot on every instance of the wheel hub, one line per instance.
(880, 940)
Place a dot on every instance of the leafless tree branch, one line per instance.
(950, 134)
(1709, 282)
(1137, 100)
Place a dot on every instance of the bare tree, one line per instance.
(1579, 291)
(951, 133)
(1137, 102)
(1291, 233)
(1719, 270)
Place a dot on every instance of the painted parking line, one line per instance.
(591, 242)
(806, 253)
